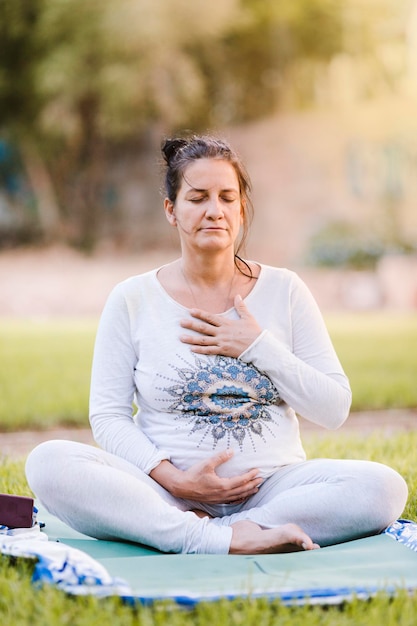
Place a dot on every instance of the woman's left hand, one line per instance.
(216, 334)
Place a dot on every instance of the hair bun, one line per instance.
(170, 148)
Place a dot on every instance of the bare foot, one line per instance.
(249, 538)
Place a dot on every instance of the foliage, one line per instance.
(20, 51)
(341, 244)
(46, 375)
(79, 79)
(104, 68)
(268, 51)
(22, 604)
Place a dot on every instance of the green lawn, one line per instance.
(379, 354)
(44, 381)
(23, 605)
(45, 373)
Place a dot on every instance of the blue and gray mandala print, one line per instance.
(222, 397)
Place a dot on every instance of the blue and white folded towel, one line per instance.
(69, 569)
(404, 531)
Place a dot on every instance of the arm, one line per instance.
(307, 374)
(201, 483)
(112, 388)
(111, 396)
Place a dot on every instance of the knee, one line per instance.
(42, 466)
(400, 489)
(390, 493)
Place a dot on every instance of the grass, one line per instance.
(45, 373)
(379, 354)
(21, 604)
(44, 381)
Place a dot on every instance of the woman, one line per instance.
(219, 354)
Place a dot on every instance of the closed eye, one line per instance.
(197, 200)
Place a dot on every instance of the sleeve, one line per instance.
(308, 376)
(113, 388)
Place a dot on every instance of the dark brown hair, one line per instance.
(179, 153)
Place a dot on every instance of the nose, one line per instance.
(214, 209)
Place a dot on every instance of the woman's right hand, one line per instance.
(201, 483)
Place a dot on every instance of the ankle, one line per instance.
(244, 535)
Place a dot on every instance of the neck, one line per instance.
(210, 286)
(206, 271)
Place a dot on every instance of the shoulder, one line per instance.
(281, 284)
(282, 275)
(127, 294)
(134, 284)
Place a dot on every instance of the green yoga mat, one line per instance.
(354, 569)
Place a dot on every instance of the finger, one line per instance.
(205, 342)
(210, 318)
(220, 458)
(243, 479)
(246, 488)
(236, 499)
(198, 327)
(241, 307)
(235, 491)
(243, 494)
(206, 350)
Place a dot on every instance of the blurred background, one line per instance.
(318, 96)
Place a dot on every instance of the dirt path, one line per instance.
(18, 445)
(55, 282)
(59, 282)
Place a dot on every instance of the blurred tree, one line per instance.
(374, 46)
(114, 71)
(270, 55)
(19, 52)
(21, 100)
(80, 77)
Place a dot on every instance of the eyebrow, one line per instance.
(197, 190)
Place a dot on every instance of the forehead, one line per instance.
(208, 174)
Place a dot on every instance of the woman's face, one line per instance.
(208, 210)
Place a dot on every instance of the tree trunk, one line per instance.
(43, 189)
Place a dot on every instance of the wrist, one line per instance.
(168, 476)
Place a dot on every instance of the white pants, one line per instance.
(104, 496)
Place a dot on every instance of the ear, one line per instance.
(169, 212)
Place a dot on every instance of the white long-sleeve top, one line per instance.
(187, 407)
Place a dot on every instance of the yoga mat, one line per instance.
(358, 568)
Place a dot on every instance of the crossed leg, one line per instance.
(331, 500)
(318, 502)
